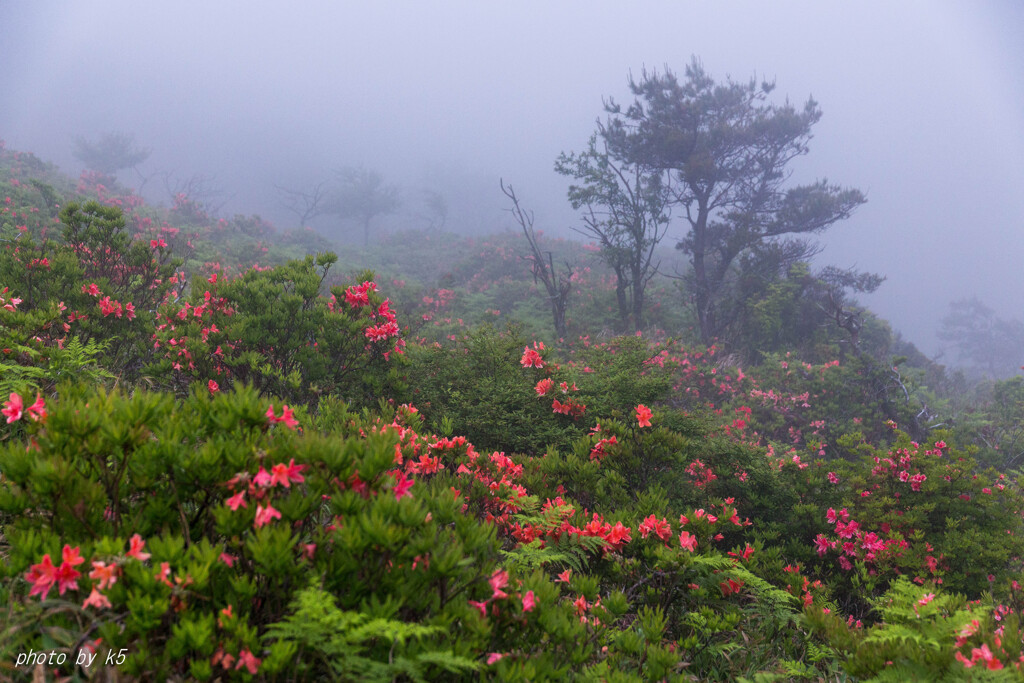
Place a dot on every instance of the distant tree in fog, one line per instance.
(435, 210)
(196, 198)
(558, 285)
(988, 344)
(361, 196)
(725, 153)
(109, 154)
(625, 205)
(305, 204)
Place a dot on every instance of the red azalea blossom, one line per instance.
(531, 357)
(643, 415)
(481, 606)
(136, 544)
(250, 661)
(498, 580)
(96, 599)
(264, 515)
(262, 478)
(42, 576)
(37, 411)
(402, 486)
(287, 416)
(105, 573)
(14, 408)
(619, 535)
(661, 528)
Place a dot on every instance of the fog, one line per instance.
(923, 109)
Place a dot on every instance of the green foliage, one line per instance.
(914, 638)
(323, 639)
(272, 328)
(638, 511)
(480, 387)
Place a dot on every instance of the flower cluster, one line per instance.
(45, 575)
(531, 357)
(854, 543)
(643, 415)
(287, 416)
(258, 487)
(386, 329)
(14, 409)
(359, 295)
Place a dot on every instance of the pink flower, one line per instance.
(618, 535)
(14, 408)
(37, 411)
(529, 601)
(661, 528)
(279, 475)
(494, 657)
(823, 544)
(482, 606)
(531, 359)
(264, 515)
(42, 576)
(402, 486)
(580, 604)
(544, 386)
(250, 661)
(688, 541)
(295, 472)
(236, 500)
(498, 580)
(135, 550)
(96, 599)
(287, 416)
(262, 478)
(643, 415)
(105, 573)
(213, 387)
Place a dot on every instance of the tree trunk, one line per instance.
(620, 297)
(638, 303)
(558, 313)
(705, 306)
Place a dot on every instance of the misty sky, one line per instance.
(923, 107)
